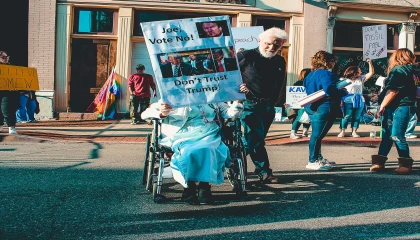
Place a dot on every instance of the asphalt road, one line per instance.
(94, 191)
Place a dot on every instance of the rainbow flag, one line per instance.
(104, 103)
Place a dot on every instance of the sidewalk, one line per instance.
(123, 131)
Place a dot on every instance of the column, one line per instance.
(330, 28)
(407, 35)
(62, 53)
(123, 63)
(244, 20)
(295, 56)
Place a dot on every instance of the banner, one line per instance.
(293, 95)
(18, 78)
(246, 37)
(375, 42)
(194, 60)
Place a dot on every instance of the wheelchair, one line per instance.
(157, 157)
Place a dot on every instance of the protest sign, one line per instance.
(375, 42)
(293, 95)
(194, 60)
(18, 78)
(246, 37)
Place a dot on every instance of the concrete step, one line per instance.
(76, 116)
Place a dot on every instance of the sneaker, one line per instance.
(340, 135)
(411, 136)
(134, 122)
(12, 131)
(305, 134)
(326, 162)
(355, 135)
(293, 136)
(318, 165)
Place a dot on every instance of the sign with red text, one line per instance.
(18, 78)
(375, 42)
(246, 37)
(194, 60)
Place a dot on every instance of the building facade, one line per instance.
(75, 53)
(75, 43)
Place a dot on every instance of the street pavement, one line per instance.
(92, 190)
(123, 131)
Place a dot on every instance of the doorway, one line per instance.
(92, 62)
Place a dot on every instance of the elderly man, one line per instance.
(264, 73)
(175, 67)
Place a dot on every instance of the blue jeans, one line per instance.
(296, 124)
(394, 126)
(21, 114)
(256, 119)
(351, 114)
(411, 125)
(321, 120)
(30, 109)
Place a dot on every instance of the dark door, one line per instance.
(91, 63)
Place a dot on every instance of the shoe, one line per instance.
(12, 131)
(318, 165)
(293, 136)
(405, 166)
(189, 195)
(355, 135)
(305, 134)
(141, 121)
(378, 163)
(340, 135)
(326, 162)
(268, 178)
(134, 122)
(411, 136)
(34, 121)
(21, 122)
(204, 194)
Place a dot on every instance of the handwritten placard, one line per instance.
(246, 37)
(18, 78)
(375, 42)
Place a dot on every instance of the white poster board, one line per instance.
(246, 37)
(293, 95)
(375, 42)
(213, 77)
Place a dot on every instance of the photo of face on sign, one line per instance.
(212, 29)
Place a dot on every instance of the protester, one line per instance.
(139, 85)
(398, 105)
(354, 103)
(26, 110)
(322, 113)
(199, 154)
(297, 113)
(264, 73)
(9, 102)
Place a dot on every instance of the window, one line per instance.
(94, 21)
(417, 41)
(149, 16)
(349, 34)
(269, 23)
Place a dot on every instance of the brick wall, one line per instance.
(41, 40)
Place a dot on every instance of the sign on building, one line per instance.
(194, 60)
(18, 78)
(375, 42)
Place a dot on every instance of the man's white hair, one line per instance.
(174, 55)
(273, 32)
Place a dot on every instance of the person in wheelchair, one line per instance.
(193, 134)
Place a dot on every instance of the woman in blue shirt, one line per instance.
(322, 113)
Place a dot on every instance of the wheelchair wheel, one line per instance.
(146, 159)
(150, 170)
(236, 177)
(157, 182)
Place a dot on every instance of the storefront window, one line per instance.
(349, 34)
(417, 42)
(94, 21)
(148, 16)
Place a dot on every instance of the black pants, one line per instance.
(137, 102)
(9, 103)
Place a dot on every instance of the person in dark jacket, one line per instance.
(398, 105)
(9, 102)
(322, 113)
(264, 73)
